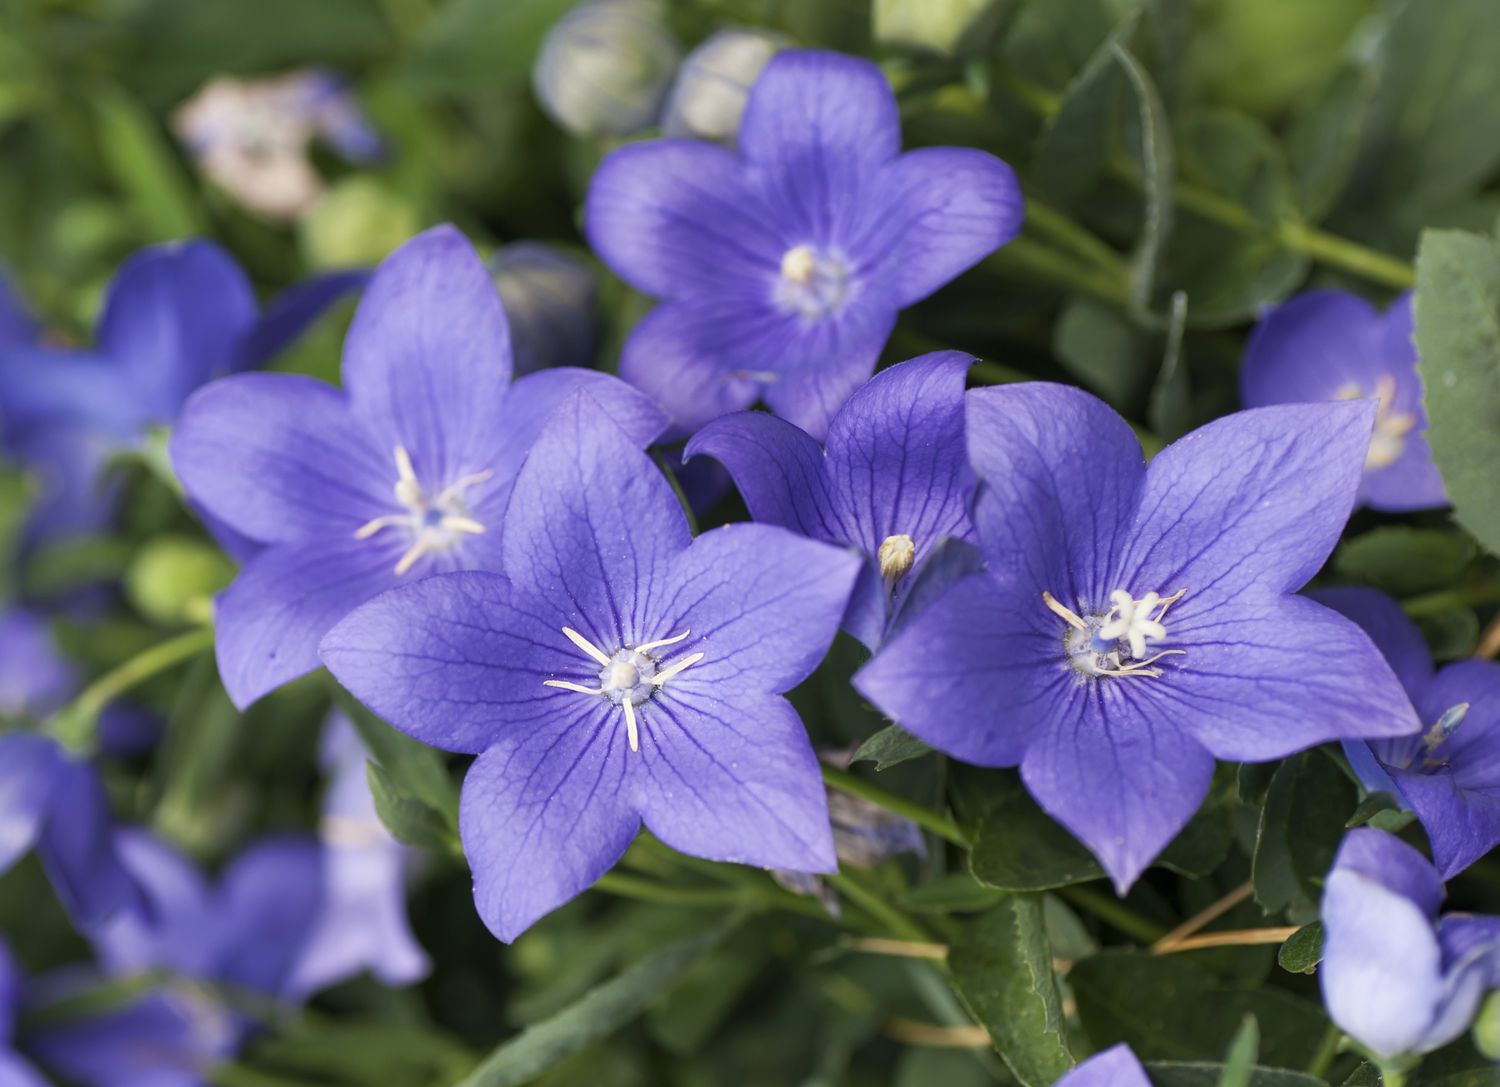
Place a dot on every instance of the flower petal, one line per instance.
(1399, 639)
(1122, 778)
(280, 457)
(763, 606)
(1461, 824)
(1309, 347)
(776, 467)
(543, 815)
(458, 660)
(268, 903)
(731, 780)
(1276, 676)
(77, 846)
(170, 924)
(427, 359)
(291, 312)
(15, 1072)
(1394, 865)
(1114, 1067)
(42, 388)
(29, 768)
(1412, 482)
(970, 674)
(823, 362)
(1251, 504)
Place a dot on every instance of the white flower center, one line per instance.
(1115, 643)
(435, 522)
(629, 677)
(1391, 426)
(813, 283)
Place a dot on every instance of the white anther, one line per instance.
(799, 265)
(587, 646)
(661, 677)
(895, 557)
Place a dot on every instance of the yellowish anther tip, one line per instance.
(895, 557)
(799, 264)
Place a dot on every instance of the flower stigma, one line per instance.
(628, 677)
(812, 282)
(435, 523)
(1115, 643)
(895, 557)
(1391, 426)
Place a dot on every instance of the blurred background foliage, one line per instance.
(1186, 162)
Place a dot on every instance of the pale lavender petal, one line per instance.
(170, 924)
(1115, 1067)
(15, 1072)
(30, 766)
(731, 781)
(1394, 865)
(268, 903)
(544, 814)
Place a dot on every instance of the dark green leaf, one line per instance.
(958, 892)
(413, 769)
(1104, 351)
(1301, 825)
(479, 41)
(1002, 969)
(889, 747)
(1170, 413)
(1371, 806)
(1450, 634)
(1303, 951)
(1019, 847)
(1403, 560)
(1166, 1074)
(1324, 138)
(408, 819)
(1153, 158)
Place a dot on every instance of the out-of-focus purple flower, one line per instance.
(892, 480)
(1134, 624)
(618, 672)
(605, 66)
(362, 924)
(175, 316)
(15, 1070)
(551, 304)
(1330, 345)
(1448, 775)
(1396, 977)
(782, 267)
(709, 94)
(1114, 1067)
(35, 679)
(405, 471)
(252, 136)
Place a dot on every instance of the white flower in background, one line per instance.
(714, 81)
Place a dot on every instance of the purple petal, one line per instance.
(968, 674)
(270, 621)
(592, 525)
(1276, 676)
(77, 846)
(15, 1072)
(1061, 476)
(776, 467)
(1412, 481)
(43, 387)
(427, 359)
(30, 767)
(678, 217)
(1462, 824)
(1119, 773)
(1251, 504)
(762, 604)
(170, 924)
(267, 906)
(174, 318)
(35, 680)
(731, 781)
(1388, 861)
(458, 661)
(1309, 347)
(67, 460)
(543, 814)
(936, 213)
(291, 312)
(821, 363)
(1114, 1067)
(280, 457)
(1399, 639)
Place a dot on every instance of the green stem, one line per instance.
(1026, 258)
(878, 908)
(1328, 1049)
(919, 814)
(1110, 909)
(74, 726)
(1448, 599)
(1047, 220)
(646, 890)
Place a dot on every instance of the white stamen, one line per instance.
(630, 727)
(1070, 617)
(435, 523)
(629, 678)
(1093, 645)
(667, 673)
(587, 646)
(895, 557)
(647, 647)
(413, 553)
(564, 685)
(1391, 427)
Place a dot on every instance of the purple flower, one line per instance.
(14, 1069)
(782, 267)
(1115, 1067)
(618, 672)
(1330, 345)
(405, 472)
(362, 924)
(35, 680)
(892, 480)
(175, 316)
(1396, 977)
(1135, 624)
(1448, 775)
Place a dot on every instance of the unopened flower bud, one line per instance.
(605, 67)
(551, 302)
(895, 557)
(708, 96)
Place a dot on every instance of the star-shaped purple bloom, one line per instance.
(892, 479)
(1114, 1067)
(619, 672)
(1448, 775)
(782, 266)
(1135, 624)
(1396, 977)
(404, 472)
(1331, 345)
(175, 316)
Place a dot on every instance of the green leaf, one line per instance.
(1168, 1009)
(1152, 152)
(1486, 1030)
(1019, 847)
(597, 1015)
(1458, 341)
(1196, 1074)
(1104, 351)
(1371, 806)
(703, 998)
(1170, 411)
(1002, 968)
(1239, 1062)
(1403, 560)
(413, 769)
(1303, 950)
(172, 578)
(957, 892)
(1324, 136)
(144, 167)
(479, 42)
(942, 26)
(408, 819)
(889, 747)
(1301, 825)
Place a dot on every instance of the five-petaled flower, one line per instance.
(1449, 773)
(618, 672)
(1330, 345)
(1134, 624)
(892, 479)
(1396, 977)
(405, 472)
(782, 267)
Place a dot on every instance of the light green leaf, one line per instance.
(145, 168)
(1404, 560)
(889, 747)
(408, 819)
(481, 42)
(1239, 1062)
